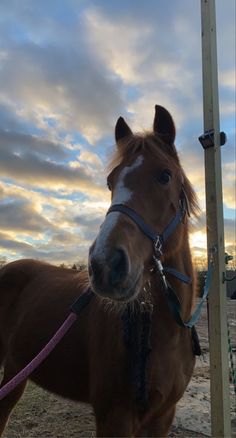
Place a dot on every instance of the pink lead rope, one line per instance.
(76, 308)
(36, 361)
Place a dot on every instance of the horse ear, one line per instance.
(122, 129)
(163, 125)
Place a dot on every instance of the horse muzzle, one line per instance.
(111, 274)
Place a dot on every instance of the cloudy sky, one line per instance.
(68, 70)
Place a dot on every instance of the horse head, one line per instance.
(148, 191)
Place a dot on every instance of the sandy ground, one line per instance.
(40, 414)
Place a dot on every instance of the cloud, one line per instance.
(91, 158)
(63, 83)
(227, 79)
(230, 232)
(54, 251)
(67, 70)
(14, 246)
(21, 216)
(22, 143)
(229, 190)
(29, 168)
(89, 224)
(120, 44)
(47, 227)
(67, 254)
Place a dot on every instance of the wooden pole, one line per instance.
(219, 367)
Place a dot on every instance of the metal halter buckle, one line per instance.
(158, 246)
(160, 270)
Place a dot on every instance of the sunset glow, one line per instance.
(68, 70)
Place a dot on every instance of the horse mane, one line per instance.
(129, 146)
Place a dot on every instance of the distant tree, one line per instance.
(81, 267)
(201, 276)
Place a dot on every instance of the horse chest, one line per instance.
(160, 358)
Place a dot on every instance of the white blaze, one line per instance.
(121, 193)
(120, 196)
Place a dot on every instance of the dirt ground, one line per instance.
(41, 414)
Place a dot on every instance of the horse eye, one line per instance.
(165, 176)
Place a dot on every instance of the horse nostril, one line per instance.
(119, 267)
(95, 269)
(110, 273)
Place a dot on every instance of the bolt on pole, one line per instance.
(219, 367)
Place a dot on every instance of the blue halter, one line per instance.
(158, 241)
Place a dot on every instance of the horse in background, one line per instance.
(96, 362)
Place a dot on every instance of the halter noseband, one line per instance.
(157, 239)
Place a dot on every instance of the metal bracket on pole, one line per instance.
(207, 139)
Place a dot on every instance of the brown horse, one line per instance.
(96, 362)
